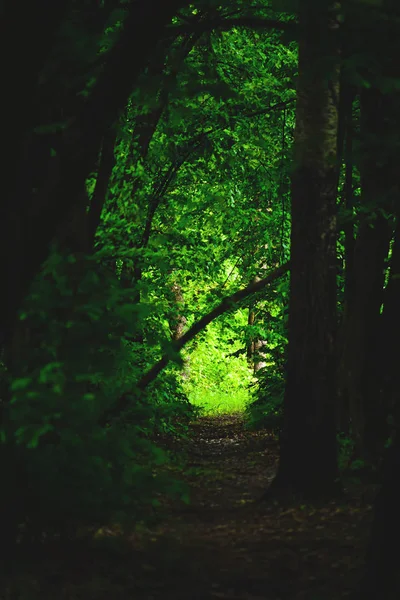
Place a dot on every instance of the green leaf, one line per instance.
(20, 384)
(49, 372)
(34, 441)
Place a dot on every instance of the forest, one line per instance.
(200, 257)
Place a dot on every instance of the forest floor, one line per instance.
(224, 544)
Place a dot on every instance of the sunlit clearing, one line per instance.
(217, 374)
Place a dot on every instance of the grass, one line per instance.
(218, 377)
(217, 403)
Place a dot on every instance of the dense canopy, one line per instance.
(199, 216)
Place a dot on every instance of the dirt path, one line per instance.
(224, 544)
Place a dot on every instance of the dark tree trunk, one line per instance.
(362, 379)
(390, 331)
(362, 329)
(382, 577)
(343, 415)
(308, 462)
(349, 238)
(368, 412)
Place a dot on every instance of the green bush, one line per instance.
(61, 466)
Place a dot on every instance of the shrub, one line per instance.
(60, 466)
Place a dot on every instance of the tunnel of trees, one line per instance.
(200, 205)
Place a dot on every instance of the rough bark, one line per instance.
(381, 577)
(362, 339)
(362, 379)
(308, 463)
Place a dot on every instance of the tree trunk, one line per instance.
(368, 417)
(390, 331)
(255, 347)
(178, 321)
(343, 415)
(308, 462)
(381, 578)
(361, 351)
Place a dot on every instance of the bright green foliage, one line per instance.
(212, 189)
(216, 377)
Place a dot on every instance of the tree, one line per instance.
(51, 146)
(381, 579)
(39, 216)
(159, 172)
(308, 463)
(362, 367)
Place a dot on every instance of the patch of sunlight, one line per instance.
(217, 403)
(218, 378)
